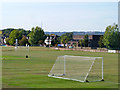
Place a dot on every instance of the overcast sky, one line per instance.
(60, 16)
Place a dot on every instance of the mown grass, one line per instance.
(32, 72)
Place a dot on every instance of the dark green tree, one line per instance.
(66, 37)
(85, 41)
(7, 41)
(23, 41)
(40, 42)
(55, 42)
(111, 37)
(6, 32)
(24, 32)
(100, 42)
(47, 35)
(81, 43)
(36, 35)
(15, 34)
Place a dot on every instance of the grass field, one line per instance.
(19, 72)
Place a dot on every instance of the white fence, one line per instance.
(89, 50)
(113, 51)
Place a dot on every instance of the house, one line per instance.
(49, 40)
(73, 43)
(2, 40)
(93, 40)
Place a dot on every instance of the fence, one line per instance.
(89, 49)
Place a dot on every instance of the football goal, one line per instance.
(78, 68)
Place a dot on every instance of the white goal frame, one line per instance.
(85, 80)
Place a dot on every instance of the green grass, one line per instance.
(32, 72)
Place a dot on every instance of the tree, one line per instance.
(36, 35)
(6, 32)
(15, 34)
(23, 41)
(47, 35)
(66, 37)
(69, 35)
(100, 42)
(7, 41)
(55, 42)
(111, 38)
(85, 41)
(40, 42)
(81, 43)
(24, 32)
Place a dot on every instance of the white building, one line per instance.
(48, 41)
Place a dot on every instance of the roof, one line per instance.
(89, 33)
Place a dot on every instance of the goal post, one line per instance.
(78, 68)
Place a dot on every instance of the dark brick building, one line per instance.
(93, 40)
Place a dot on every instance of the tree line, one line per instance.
(33, 37)
(110, 39)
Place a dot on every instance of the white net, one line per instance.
(58, 68)
(96, 71)
(77, 68)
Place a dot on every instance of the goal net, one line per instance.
(78, 68)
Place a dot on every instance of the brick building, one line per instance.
(93, 40)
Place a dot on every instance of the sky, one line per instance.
(59, 16)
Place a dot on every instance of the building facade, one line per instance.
(93, 40)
